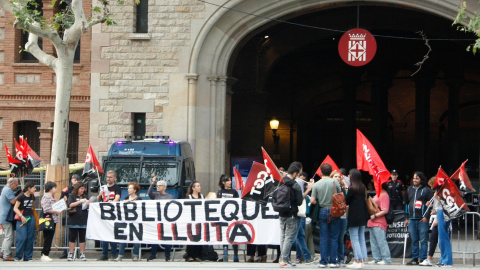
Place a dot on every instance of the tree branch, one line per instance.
(32, 47)
(426, 56)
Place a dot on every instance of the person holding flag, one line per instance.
(418, 214)
(226, 191)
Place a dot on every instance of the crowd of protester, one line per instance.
(310, 204)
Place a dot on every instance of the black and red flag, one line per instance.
(92, 166)
(450, 197)
(461, 175)
(33, 160)
(238, 179)
(274, 177)
(254, 189)
(15, 164)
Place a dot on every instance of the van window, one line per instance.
(163, 171)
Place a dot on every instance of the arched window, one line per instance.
(29, 130)
(72, 151)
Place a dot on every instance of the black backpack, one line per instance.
(281, 199)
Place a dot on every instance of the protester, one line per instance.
(194, 192)
(24, 207)
(109, 193)
(160, 195)
(357, 218)
(77, 221)
(443, 224)
(7, 201)
(288, 217)
(226, 191)
(378, 229)
(418, 214)
(48, 200)
(133, 189)
(322, 193)
(65, 194)
(301, 248)
(433, 237)
(343, 221)
(396, 192)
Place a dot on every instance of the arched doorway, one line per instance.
(296, 75)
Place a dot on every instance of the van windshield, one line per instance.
(141, 172)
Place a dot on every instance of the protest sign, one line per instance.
(184, 222)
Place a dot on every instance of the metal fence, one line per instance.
(464, 236)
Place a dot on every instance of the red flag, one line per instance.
(369, 160)
(272, 169)
(461, 174)
(9, 156)
(20, 152)
(330, 161)
(440, 179)
(238, 179)
(256, 184)
(91, 161)
(453, 204)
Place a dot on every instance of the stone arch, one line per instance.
(210, 64)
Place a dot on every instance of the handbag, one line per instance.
(71, 210)
(302, 209)
(46, 222)
(372, 207)
(17, 217)
(339, 206)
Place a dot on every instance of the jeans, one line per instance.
(341, 240)
(300, 245)
(7, 240)
(379, 245)
(167, 248)
(433, 241)
(444, 240)
(121, 250)
(25, 237)
(288, 231)
(113, 245)
(357, 237)
(328, 237)
(419, 234)
(47, 240)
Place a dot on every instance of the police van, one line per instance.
(137, 158)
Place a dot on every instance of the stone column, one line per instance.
(422, 121)
(350, 83)
(224, 121)
(454, 88)
(213, 127)
(46, 134)
(379, 99)
(192, 103)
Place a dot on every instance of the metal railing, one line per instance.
(464, 241)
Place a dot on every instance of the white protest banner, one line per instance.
(190, 222)
(59, 206)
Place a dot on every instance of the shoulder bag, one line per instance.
(339, 206)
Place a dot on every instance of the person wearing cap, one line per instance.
(396, 190)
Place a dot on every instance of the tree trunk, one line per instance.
(64, 75)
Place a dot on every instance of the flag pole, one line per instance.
(431, 202)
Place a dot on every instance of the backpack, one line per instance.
(339, 206)
(281, 199)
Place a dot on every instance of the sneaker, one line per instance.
(82, 257)
(70, 257)
(332, 265)
(45, 258)
(17, 260)
(446, 265)
(283, 264)
(349, 257)
(113, 258)
(64, 255)
(312, 260)
(372, 262)
(322, 265)
(8, 259)
(167, 258)
(135, 259)
(235, 259)
(118, 259)
(426, 262)
(413, 262)
(102, 258)
(291, 263)
(355, 265)
(342, 264)
(382, 262)
(151, 258)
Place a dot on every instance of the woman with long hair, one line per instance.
(226, 191)
(78, 220)
(357, 217)
(194, 192)
(337, 176)
(133, 189)
(48, 200)
(378, 229)
(24, 208)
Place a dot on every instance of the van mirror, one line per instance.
(94, 186)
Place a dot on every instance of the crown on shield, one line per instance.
(357, 36)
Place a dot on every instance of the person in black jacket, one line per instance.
(288, 219)
(418, 215)
(226, 191)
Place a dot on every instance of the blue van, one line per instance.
(138, 160)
